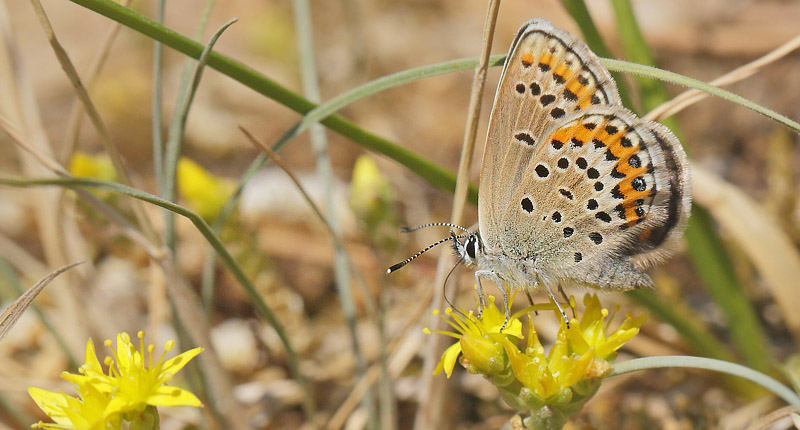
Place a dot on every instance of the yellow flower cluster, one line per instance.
(547, 386)
(133, 383)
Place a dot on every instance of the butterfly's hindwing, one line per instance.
(615, 189)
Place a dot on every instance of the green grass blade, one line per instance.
(176, 133)
(338, 102)
(429, 171)
(674, 78)
(158, 69)
(712, 263)
(663, 362)
(636, 50)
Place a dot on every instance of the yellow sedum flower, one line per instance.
(133, 383)
(86, 412)
(581, 352)
(546, 387)
(204, 193)
(547, 376)
(591, 332)
(479, 340)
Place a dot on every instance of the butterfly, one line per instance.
(575, 189)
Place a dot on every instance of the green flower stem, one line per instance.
(174, 146)
(759, 378)
(324, 168)
(158, 69)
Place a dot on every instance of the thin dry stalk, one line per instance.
(690, 97)
(398, 363)
(369, 303)
(77, 111)
(18, 103)
(766, 422)
(432, 390)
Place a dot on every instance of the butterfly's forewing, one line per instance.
(548, 76)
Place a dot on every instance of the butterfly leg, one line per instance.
(481, 294)
(505, 306)
(530, 300)
(496, 279)
(555, 301)
(569, 302)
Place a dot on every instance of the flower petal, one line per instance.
(173, 396)
(175, 364)
(90, 356)
(448, 361)
(51, 403)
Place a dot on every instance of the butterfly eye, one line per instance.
(470, 245)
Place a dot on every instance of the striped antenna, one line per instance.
(433, 224)
(409, 259)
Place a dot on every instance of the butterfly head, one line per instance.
(468, 248)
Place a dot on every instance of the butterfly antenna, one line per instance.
(427, 248)
(433, 224)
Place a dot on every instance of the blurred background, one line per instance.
(288, 253)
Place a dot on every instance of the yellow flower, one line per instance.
(86, 412)
(548, 376)
(591, 332)
(479, 340)
(203, 192)
(547, 387)
(138, 382)
(369, 188)
(133, 382)
(579, 357)
(92, 166)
